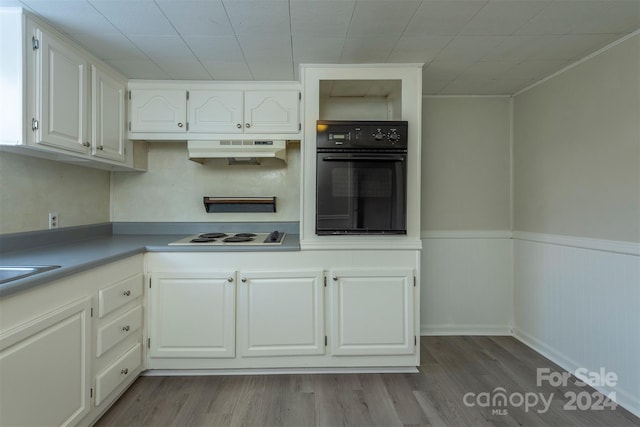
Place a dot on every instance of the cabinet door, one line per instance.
(159, 110)
(44, 366)
(107, 116)
(215, 111)
(372, 312)
(271, 111)
(192, 315)
(280, 314)
(61, 95)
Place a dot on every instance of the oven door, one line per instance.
(361, 193)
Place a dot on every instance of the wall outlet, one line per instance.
(53, 220)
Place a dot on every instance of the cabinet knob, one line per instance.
(34, 124)
(180, 125)
(230, 279)
(125, 371)
(247, 125)
(239, 126)
(126, 293)
(335, 278)
(100, 147)
(125, 328)
(86, 144)
(244, 280)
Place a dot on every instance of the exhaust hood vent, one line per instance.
(237, 151)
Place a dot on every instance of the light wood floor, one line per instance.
(450, 368)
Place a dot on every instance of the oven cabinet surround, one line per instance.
(65, 346)
(407, 106)
(308, 309)
(174, 110)
(70, 106)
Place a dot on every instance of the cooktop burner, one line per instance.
(218, 239)
(238, 239)
(212, 235)
(200, 239)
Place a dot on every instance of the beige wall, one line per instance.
(30, 188)
(577, 150)
(173, 187)
(465, 164)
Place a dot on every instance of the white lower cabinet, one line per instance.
(192, 315)
(45, 368)
(372, 312)
(114, 375)
(70, 347)
(336, 309)
(118, 335)
(280, 313)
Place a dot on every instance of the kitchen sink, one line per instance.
(10, 273)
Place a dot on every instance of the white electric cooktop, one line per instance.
(231, 239)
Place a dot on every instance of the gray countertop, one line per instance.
(98, 248)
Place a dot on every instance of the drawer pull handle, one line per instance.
(125, 328)
(125, 371)
(126, 293)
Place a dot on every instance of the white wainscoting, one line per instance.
(577, 302)
(466, 283)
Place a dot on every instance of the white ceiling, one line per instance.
(467, 46)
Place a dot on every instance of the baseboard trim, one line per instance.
(623, 397)
(279, 371)
(449, 330)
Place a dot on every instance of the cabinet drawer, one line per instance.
(119, 294)
(109, 379)
(118, 329)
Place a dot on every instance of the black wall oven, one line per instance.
(361, 177)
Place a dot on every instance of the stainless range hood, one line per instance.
(236, 151)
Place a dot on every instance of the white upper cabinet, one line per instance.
(60, 88)
(67, 105)
(108, 107)
(271, 111)
(159, 110)
(213, 110)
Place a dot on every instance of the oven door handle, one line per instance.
(363, 159)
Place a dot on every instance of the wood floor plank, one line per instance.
(451, 368)
(405, 403)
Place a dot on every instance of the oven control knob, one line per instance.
(378, 135)
(393, 136)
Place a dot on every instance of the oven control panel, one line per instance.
(361, 134)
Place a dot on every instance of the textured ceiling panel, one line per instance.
(467, 46)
